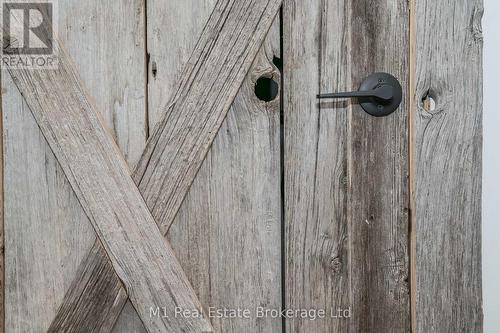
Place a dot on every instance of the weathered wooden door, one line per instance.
(198, 120)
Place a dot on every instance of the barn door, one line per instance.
(176, 172)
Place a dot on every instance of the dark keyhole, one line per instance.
(266, 89)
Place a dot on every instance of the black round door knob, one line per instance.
(380, 94)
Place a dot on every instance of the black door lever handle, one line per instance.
(380, 94)
(384, 93)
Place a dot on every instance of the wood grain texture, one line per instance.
(179, 143)
(182, 21)
(411, 166)
(447, 170)
(46, 231)
(227, 232)
(173, 30)
(111, 64)
(2, 234)
(210, 81)
(101, 180)
(47, 242)
(346, 188)
(378, 163)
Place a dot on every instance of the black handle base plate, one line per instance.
(374, 106)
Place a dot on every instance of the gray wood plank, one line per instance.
(210, 81)
(447, 117)
(231, 218)
(173, 30)
(203, 97)
(111, 64)
(379, 191)
(2, 233)
(55, 228)
(46, 231)
(346, 188)
(227, 233)
(182, 21)
(101, 180)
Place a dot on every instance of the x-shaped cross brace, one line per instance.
(130, 243)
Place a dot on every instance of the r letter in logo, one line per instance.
(28, 34)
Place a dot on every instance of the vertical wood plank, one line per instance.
(112, 64)
(227, 232)
(447, 140)
(47, 233)
(44, 237)
(378, 163)
(231, 217)
(2, 241)
(315, 164)
(182, 22)
(173, 28)
(346, 188)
